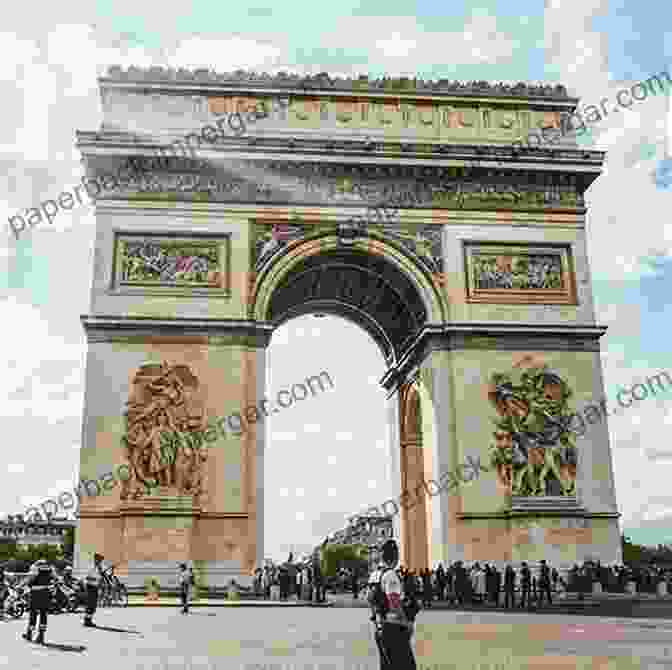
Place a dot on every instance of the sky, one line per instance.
(52, 56)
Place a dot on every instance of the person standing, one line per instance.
(440, 583)
(354, 583)
(393, 621)
(544, 583)
(525, 585)
(496, 585)
(92, 582)
(41, 583)
(317, 582)
(186, 582)
(509, 587)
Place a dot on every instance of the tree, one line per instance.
(69, 543)
(632, 553)
(339, 556)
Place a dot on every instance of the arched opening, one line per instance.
(327, 457)
(378, 293)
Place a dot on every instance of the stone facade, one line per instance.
(403, 206)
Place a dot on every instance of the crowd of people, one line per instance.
(480, 583)
(460, 584)
(304, 581)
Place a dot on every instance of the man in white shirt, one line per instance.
(92, 582)
(393, 626)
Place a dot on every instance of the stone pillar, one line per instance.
(414, 508)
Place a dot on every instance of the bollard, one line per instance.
(661, 589)
(597, 588)
(631, 588)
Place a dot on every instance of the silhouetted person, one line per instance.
(509, 587)
(545, 584)
(525, 585)
(496, 585)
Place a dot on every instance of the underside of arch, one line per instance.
(356, 285)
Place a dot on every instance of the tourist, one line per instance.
(427, 597)
(544, 584)
(41, 583)
(186, 581)
(92, 581)
(394, 624)
(525, 585)
(509, 587)
(496, 586)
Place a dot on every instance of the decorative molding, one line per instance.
(222, 332)
(155, 153)
(490, 336)
(167, 264)
(382, 190)
(324, 81)
(465, 516)
(515, 274)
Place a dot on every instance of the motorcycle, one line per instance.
(16, 602)
(63, 598)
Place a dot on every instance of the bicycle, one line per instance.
(112, 591)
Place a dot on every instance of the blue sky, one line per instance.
(48, 87)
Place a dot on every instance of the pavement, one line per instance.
(141, 601)
(334, 638)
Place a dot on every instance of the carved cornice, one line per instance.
(310, 182)
(324, 82)
(491, 336)
(209, 331)
(360, 150)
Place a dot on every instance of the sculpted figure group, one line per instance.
(165, 422)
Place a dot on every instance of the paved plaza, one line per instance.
(337, 638)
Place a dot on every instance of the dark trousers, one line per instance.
(396, 641)
(509, 598)
(545, 589)
(32, 619)
(91, 603)
(184, 597)
(525, 597)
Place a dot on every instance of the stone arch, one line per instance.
(308, 277)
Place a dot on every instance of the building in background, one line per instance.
(369, 530)
(23, 532)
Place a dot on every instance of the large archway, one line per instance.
(384, 291)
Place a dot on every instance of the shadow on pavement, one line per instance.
(116, 630)
(201, 614)
(64, 647)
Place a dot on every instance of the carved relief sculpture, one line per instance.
(165, 422)
(508, 274)
(168, 262)
(534, 452)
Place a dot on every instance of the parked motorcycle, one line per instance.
(16, 602)
(63, 598)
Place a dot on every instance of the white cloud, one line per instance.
(225, 55)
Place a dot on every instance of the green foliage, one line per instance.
(69, 543)
(339, 556)
(637, 553)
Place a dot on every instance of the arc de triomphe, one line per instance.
(473, 280)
